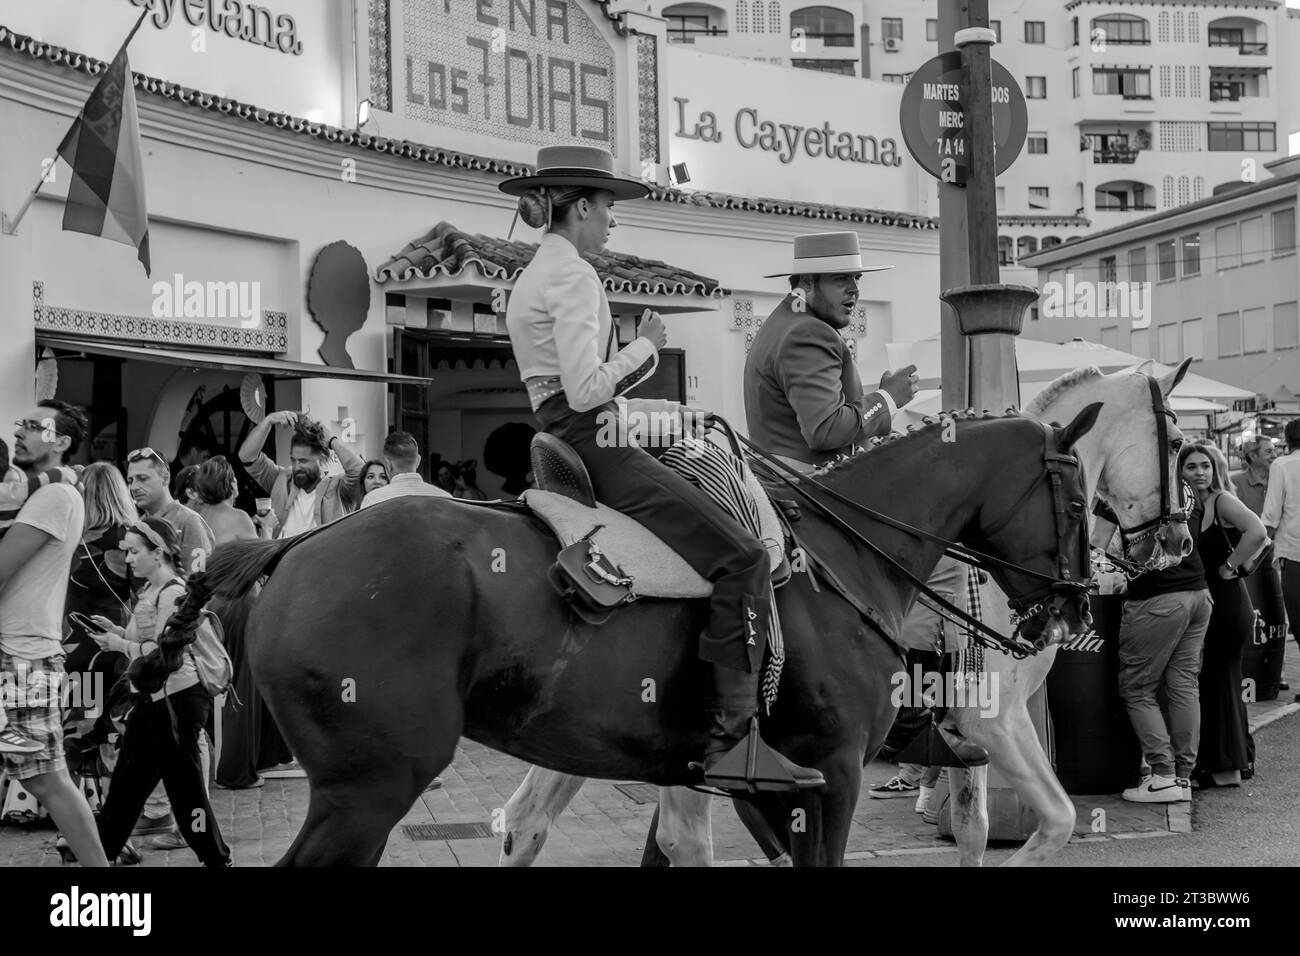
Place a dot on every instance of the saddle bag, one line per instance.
(592, 584)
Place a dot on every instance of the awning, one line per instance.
(281, 368)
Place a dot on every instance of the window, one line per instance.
(1180, 82)
(1050, 242)
(1128, 83)
(1229, 334)
(1139, 343)
(895, 77)
(1002, 197)
(842, 67)
(1074, 28)
(1038, 143)
(932, 30)
(1167, 192)
(1178, 27)
(1162, 26)
(1123, 29)
(1165, 257)
(1227, 36)
(1242, 137)
(1137, 265)
(1254, 324)
(891, 28)
(742, 16)
(996, 27)
(1166, 90)
(684, 29)
(1191, 254)
(1286, 326)
(1038, 197)
(1107, 295)
(1169, 344)
(1283, 231)
(1193, 340)
(1033, 313)
(1184, 191)
(1036, 87)
(1110, 337)
(1035, 31)
(1227, 90)
(1179, 137)
(1074, 81)
(1227, 251)
(1004, 250)
(1026, 246)
(833, 27)
(774, 19)
(1252, 240)
(759, 21)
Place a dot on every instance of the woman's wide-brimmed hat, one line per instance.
(576, 166)
(827, 253)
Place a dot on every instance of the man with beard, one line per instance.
(301, 498)
(803, 398)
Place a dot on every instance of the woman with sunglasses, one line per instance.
(162, 732)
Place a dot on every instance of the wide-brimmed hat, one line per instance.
(576, 166)
(827, 253)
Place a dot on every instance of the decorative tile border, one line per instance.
(271, 336)
(647, 73)
(381, 56)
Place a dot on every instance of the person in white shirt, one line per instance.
(564, 341)
(35, 560)
(403, 457)
(1281, 517)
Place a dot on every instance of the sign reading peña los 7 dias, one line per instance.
(933, 118)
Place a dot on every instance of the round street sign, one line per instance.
(933, 120)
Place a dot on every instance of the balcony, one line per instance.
(1116, 154)
(689, 35)
(828, 39)
(1122, 207)
(1246, 49)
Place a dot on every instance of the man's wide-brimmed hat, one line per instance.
(576, 166)
(827, 253)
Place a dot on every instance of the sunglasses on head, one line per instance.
(144, 454)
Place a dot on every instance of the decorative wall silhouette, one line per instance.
(338, 296)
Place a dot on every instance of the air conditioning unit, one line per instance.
(893, 44)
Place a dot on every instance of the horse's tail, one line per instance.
(231, 574)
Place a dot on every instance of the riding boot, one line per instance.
(736, 758)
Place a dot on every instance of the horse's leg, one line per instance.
(968, 806)
(1019, 756)
(531, 810)
(838, 801)
(775, 844)
(685, 831)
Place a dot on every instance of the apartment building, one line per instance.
(1135, 107)
(1216, 280)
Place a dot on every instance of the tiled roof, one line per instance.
(445, 250)
(419, 152)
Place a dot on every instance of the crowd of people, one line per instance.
(94, 560)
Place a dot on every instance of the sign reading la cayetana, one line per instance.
(253, 22)
(934, 121)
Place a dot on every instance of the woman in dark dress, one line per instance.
(1224, 750)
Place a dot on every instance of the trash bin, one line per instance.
(1261, 661)
(1096, 749)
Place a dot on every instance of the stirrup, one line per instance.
(931, 749)
(753, 766)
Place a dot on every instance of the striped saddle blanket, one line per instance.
(656, 569)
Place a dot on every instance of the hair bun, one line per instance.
(535, 208)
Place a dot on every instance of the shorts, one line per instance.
(42, 723)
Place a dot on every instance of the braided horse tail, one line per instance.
(231, 574)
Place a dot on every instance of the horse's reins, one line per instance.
(1053, 459)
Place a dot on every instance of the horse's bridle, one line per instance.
(1167, 516)
(1050, 599)
(1059, 589)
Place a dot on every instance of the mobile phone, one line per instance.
(85, 623)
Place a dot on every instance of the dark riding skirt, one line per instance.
(629, 480)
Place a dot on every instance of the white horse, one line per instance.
(1119, 456)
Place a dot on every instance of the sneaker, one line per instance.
(1186, 785)
(923, 799)
(1155, 789)
(147, 826)
(12, 742)
(896, 787)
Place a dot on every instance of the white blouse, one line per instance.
(560, 326)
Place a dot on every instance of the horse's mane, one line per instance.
(1062, 384)
(929, 424)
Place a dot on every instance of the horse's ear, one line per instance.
(1082, 424)
(1170, 381)
(1146, 367)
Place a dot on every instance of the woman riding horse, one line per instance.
(564, 342)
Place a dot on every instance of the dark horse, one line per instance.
(381, 639)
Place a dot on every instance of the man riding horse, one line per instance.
(804, 401)
(563, 338)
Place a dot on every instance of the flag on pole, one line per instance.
(106, 196)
